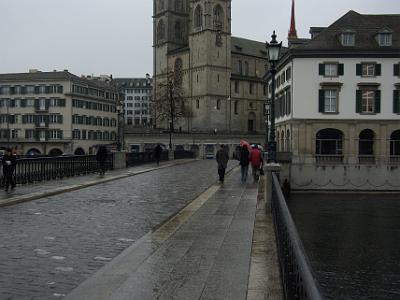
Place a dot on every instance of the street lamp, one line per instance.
(273, 49)
(171, 110)
(119, 137)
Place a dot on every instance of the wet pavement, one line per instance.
(51, 245)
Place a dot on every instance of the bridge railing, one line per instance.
(29, 170)
(139, 158)
(297, 275)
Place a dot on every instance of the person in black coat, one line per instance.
(101, 157)
(9, 162)
(157, 153)
(244, 162)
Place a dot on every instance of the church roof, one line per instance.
(249, 47)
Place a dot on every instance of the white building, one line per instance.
(337, 104)
(138, 94)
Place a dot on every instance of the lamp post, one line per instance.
(273, 49)
(119, 137)
(267, 114)
(171, 109)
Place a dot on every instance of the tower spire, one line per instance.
(292, 32)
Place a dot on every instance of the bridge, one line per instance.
(151, 232)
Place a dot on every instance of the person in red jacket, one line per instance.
(256, 161)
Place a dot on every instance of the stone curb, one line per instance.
(74, 187)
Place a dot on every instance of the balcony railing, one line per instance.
(366, 159)
(328, 159)
(395, 159)
(297, 274)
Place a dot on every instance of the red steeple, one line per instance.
(292, 32)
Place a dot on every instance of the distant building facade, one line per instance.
(137, 102)
(337, 104)
(56, 113)
(221, 76)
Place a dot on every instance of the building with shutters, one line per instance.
(56, 113)
(337, 104)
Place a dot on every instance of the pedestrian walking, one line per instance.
(9, 161)
(101, 157)
(244, 162)
(222, 160)
(256, 162)
(157, 154)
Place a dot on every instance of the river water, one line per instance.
(353, 242)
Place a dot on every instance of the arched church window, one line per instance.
(160, 30)
(178, 5)
(160, 5)
(198, 17)
(178, 71)
(178, 30)
(218, 17)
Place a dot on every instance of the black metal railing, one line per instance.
(30, 170)
(297, 275)
(139, 158)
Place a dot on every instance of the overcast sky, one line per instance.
(115, 36)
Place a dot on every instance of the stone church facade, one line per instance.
(221, 76)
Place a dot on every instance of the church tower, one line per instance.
(170, 30)
(210, 64)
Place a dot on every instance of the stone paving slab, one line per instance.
(203, 252)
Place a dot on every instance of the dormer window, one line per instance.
(385, 39)
(348, 38)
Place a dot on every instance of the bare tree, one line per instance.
(170, 104)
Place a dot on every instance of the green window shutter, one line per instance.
(377, 102)
(358, 101)
(340, 69)
(322, 69)
(396, 69)
(378, 70)
(396, 101)
(358, 69)
(321, 106)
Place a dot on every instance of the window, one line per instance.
(329, 141)
(179, 5)
(246, 68)
(251, 88)
(178, 30)
(197, 103)
(178, 71)
(396, 101)
(218, 17)
(160, 31)
(348, 39)
(368, 69)
(288, 74)
(198, 18)
(236, 86)
(218, 107)
(365, 144)
(328, 101)
(396, 69)
(235, 107)
(331, 69)
(385, 39)
(368, 100)
(239, 69)
(395, 144)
